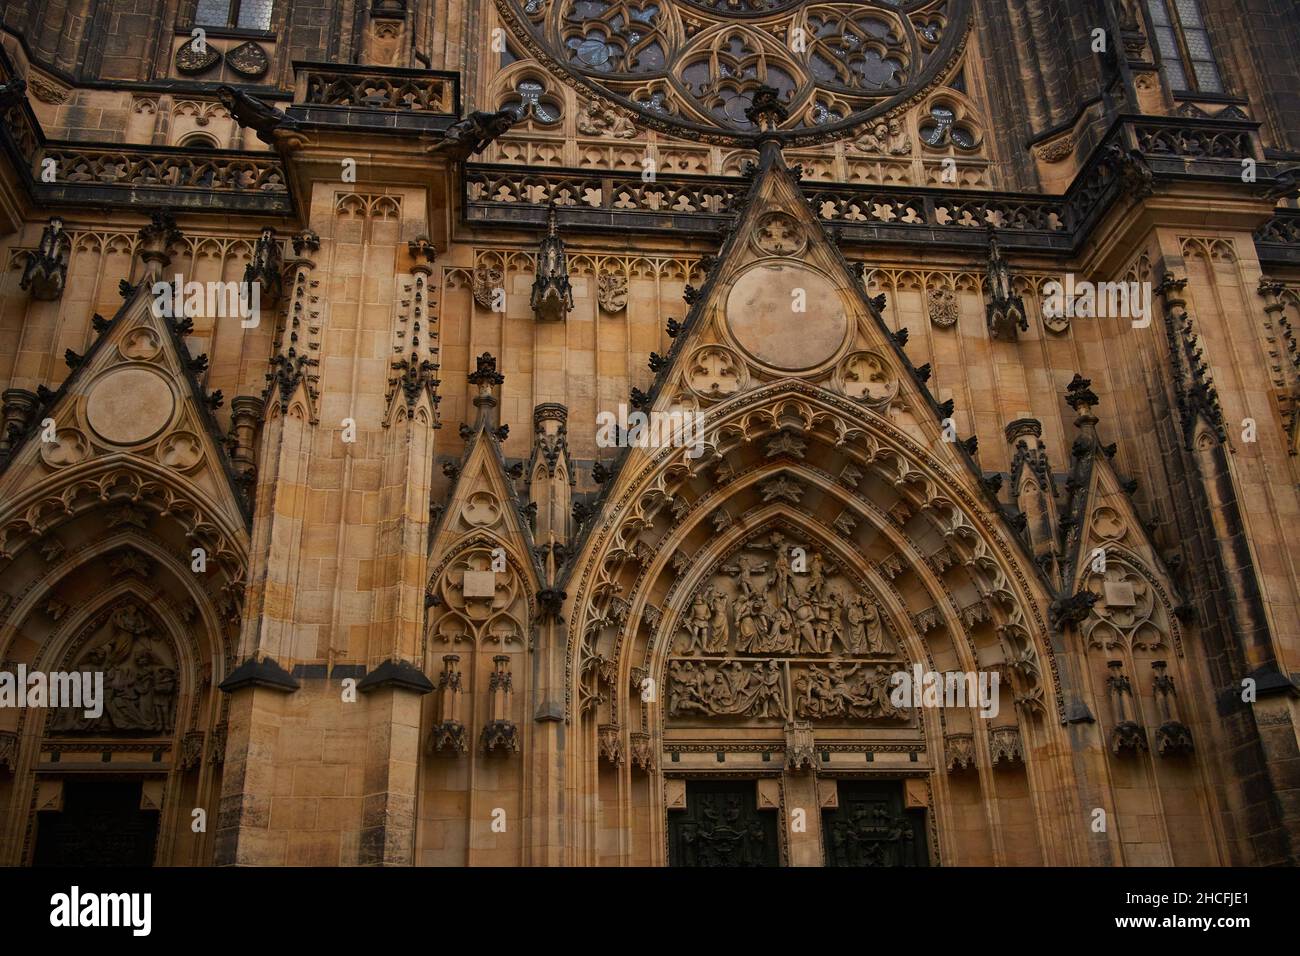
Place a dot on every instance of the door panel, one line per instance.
(722, 826)
(101, 824)
(872, 828)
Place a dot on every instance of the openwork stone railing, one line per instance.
(1193, 141)
(214, 180)
(375, 97)
(623, 192)
(191, 178)
(1278, 240)
(377, 88)
(1132, 155)
(846, 206)
(700, 205)
(118, 166)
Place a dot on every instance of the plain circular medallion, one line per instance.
(763, 316)
(129, 405)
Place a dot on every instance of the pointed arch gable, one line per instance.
(200, 617)
(868, 445)
(123, 479)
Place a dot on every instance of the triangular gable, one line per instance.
(483, 502)
(133, 394)
(780, 302)
(1101, 517)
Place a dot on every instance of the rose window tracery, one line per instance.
(693, 65)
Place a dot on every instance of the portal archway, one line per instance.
(159, 624)
(888, 533)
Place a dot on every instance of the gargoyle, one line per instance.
(472, 134)
(272, 126)
(1130, 167)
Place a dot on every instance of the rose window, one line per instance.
(691, 67)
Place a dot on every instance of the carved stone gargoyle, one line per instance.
(273, 127)
(474, 133)
(1130, 167)
(47, 267)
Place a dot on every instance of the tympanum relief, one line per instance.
(140, 678)
(780, 630)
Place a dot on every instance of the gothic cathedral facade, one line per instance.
(651, 432)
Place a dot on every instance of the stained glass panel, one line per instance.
(255, 14)
(212, 13)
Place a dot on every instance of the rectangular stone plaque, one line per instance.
(1119, 594)
(480, 584)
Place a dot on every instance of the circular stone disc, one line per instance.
(129, 406)
(761, 315)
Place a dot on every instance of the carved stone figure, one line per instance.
(886, 138)
(474, 133)
(612, 292)
(730, 688)
(719, 634)
(489, 283)
(272, 126)
(696, 625)
(845, 692)
(866, 636)
(599, 119)
(140, 680)
(773, 605)
(47, 267)
(265, 266)
(942, 307)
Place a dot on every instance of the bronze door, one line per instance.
(722, 826)
(101, 824)
(871, 827)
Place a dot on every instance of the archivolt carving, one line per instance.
(805, 414)
(137, 486)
